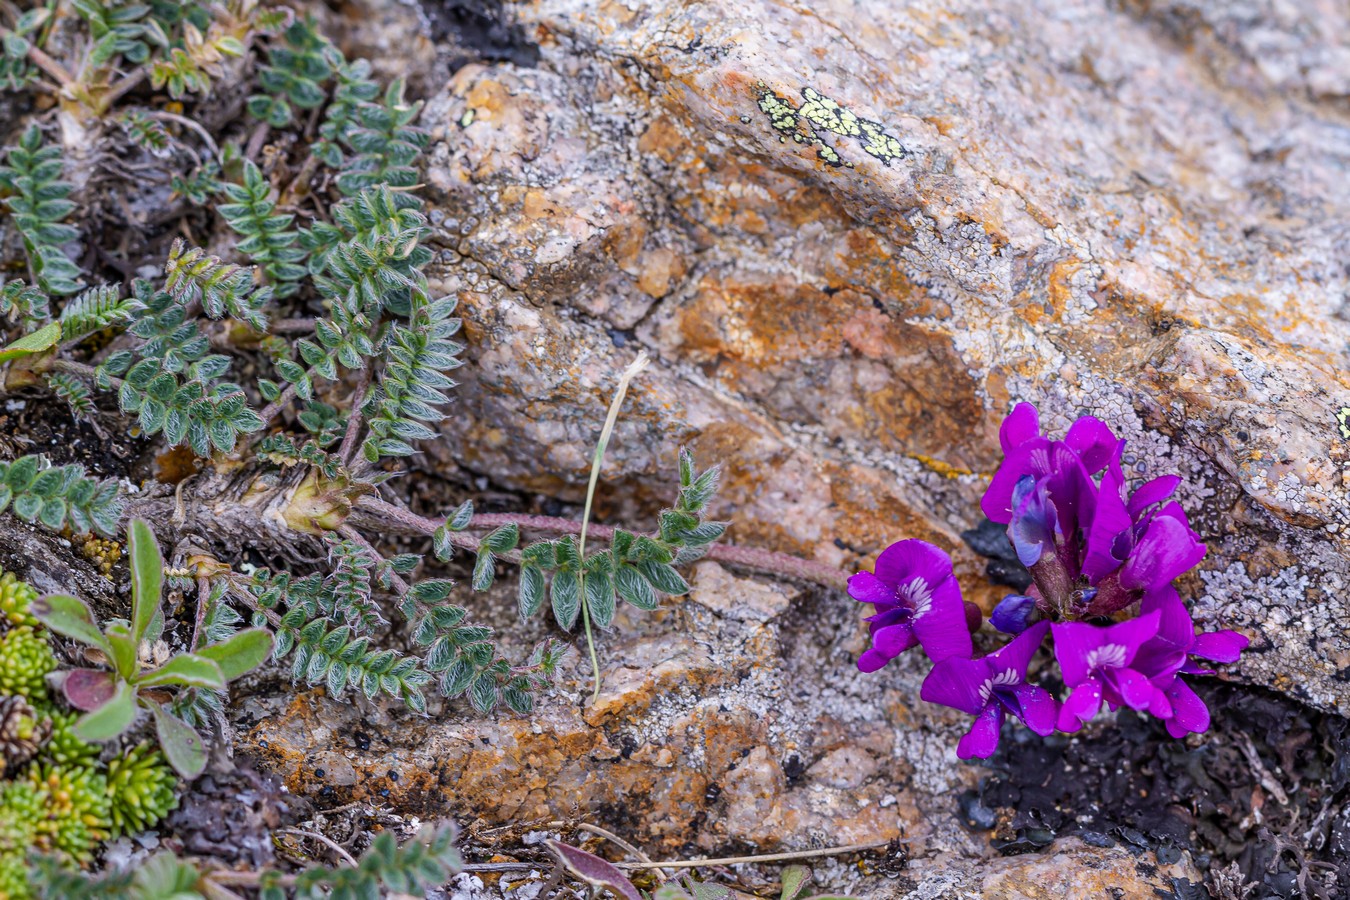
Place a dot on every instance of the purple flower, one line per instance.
(992, 688)
(1096, 662)
(1013, 613)
(1027, 452)
(1167, 655)
(917, 601)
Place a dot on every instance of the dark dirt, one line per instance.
(479, 30)
(1265, 788)
(230, 816)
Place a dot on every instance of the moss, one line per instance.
(16, 600)
(141, 790)
(25, 660)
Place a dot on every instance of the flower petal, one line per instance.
(1017, 653)
(1165, 653)
(1080, 706)
(887, 643)
(1135, 688)
(1109, 519)
(1093, 442)
(982, 739)
(1020, 426)
(1189, 713)
(1167, 549)
(1032, 457)
(1077, 643)
(1151, 493)
(941, 626)
(905, 561)
(1038, 708)
(1012, 613)
(1220, 646)
(868, 588)
(956, 682)
(1034, 520)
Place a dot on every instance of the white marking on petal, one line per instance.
(1108, 656)
(1005, 678)
(919, 594)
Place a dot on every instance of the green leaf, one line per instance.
(70, 616)
(110, 719)
(125, 648)
(186, 670)
(566, 598)
(43, 339)
(241, 653)
(795, 879)
(600, 597)
(147, 576)
(483, 697)
(633, 588)
(531, 590)
(461, 517)
(662, 577)
(484, 570)
(504, 539)
(182, 746)
(441, 546)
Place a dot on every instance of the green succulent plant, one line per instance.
(21, 809)
(25, 661)
(64, 747)
(113, 698)
(142, 789)
(16, 600)
(76, 809)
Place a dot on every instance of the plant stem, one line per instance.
(762, 858)
(270, 411)
(82, 370)
(611, 418)
(354, 417)
(48, 65)
(293, 326)
(402, 521)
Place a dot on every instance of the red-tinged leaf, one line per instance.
(111, 719)
(88, 689)
(595, 871)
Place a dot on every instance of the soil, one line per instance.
(1265, 788)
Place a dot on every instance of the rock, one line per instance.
(853, 239)
(705, 734)
(1072, 870)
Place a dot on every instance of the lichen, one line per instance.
(819, 116)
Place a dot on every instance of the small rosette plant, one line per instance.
(1102, 559)
(114, 696)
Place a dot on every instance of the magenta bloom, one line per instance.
(918, 602)
(1091, 549)
(1096, 663)
(991, 689)
(1166, 656)
(1097, 552)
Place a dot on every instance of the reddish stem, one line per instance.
(768, 561)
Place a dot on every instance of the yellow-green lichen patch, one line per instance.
(782, 114)
(1343, 419)
(819, 116)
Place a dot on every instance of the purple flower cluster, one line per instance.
(1102, 561)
